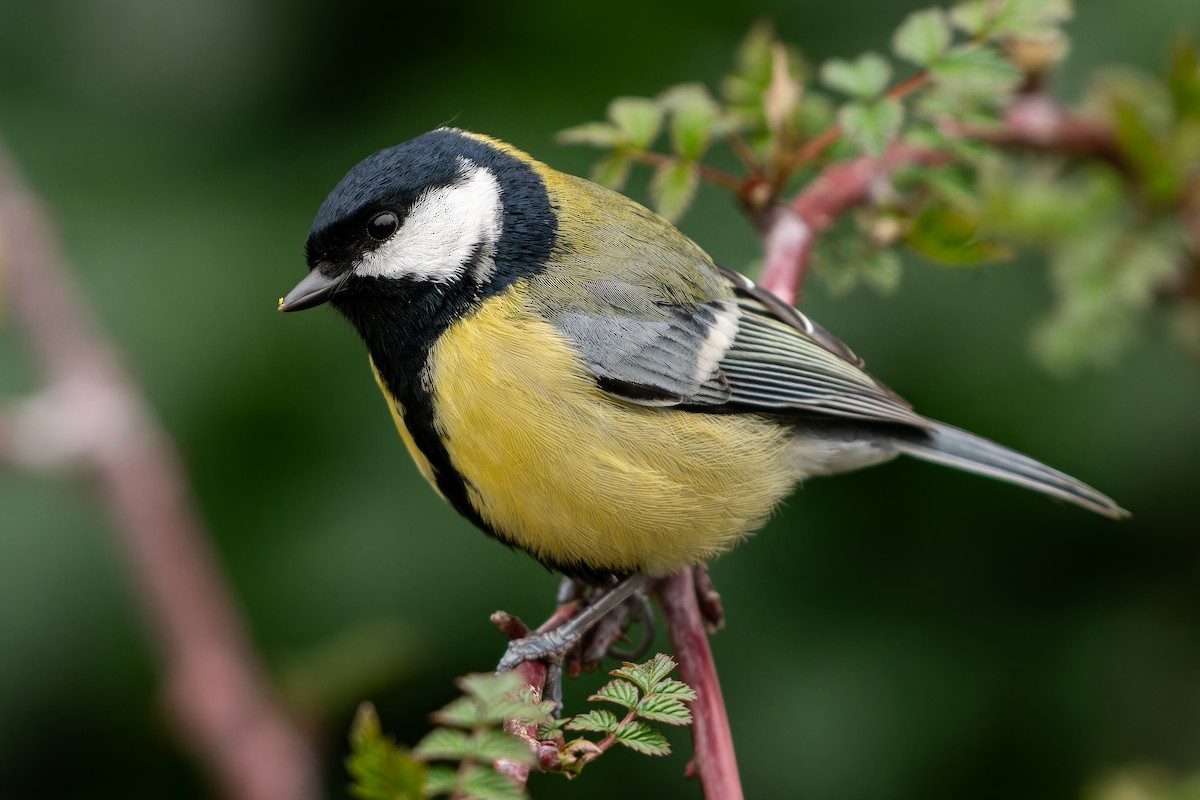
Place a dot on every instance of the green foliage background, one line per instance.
(904, 632)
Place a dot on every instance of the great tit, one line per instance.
(579, 379)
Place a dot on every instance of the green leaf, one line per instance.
(754, 54)
(486, 784)
(948, 234)
(863, 78)
(612, 170)
(621, 692)
(1031, 17)
(489, 687)
(445, 744)
(1145, 149)
(600, 720)
(644, 739)
(1183, 79)
(974, 67)
(664, 708)
(378, 768)
(673, 187)
(638, 118)
(974, 16)
(596, 134)
(980, 18)
(464, 712)
(647, 675)
(496, 698)
(922, 37)
(872, 124)
(495, 743)
(674, 688)
(694, 118)
(439, 780)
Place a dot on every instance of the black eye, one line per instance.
(382, 225)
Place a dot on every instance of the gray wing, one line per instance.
(782, 361)
(746, 351)
(652, 351)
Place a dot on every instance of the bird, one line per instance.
(581, 380)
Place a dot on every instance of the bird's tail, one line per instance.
(945, 444)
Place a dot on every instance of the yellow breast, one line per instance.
(576, 477)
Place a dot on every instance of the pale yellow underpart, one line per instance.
(574, 476)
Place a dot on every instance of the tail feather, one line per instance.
(944, 444)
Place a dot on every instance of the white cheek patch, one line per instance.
(445, 228)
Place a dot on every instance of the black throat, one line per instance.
(400, 320)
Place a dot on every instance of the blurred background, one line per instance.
(903, 632)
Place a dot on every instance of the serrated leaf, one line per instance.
(657, 669)
(674, 688)
(922, 37)
(694, 116)
(664, 708)
(493, 744)
(638, 118)
(489, 687)
(445, 744)
(974, 67)
(612, 170)
(464, 712)
(644, 739)
(439, 780)
(621, 692)
(495, 699)
(872, 124)
(596, 134)
(485, 783)
(379, 769)
(949, 234)
(865, 77)
(673, 187)
(600, 720)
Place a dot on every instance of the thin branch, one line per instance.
(819, 143)
(1037, 122)
(707, 172)
(215, 685)
(714, 758)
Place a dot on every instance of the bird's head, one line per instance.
(448, 214)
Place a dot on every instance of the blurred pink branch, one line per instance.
(91, 418)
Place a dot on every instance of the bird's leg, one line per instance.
(639, 611)
(552, 645)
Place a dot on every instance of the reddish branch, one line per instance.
(1037, 122)
(790, 231)
(714, 760)
(91, 417)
